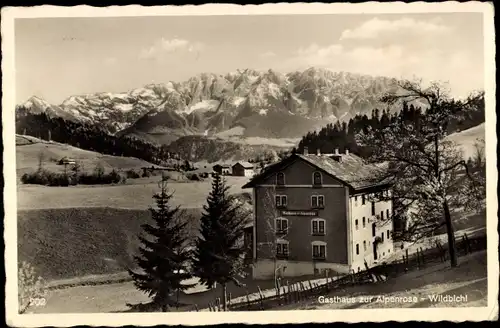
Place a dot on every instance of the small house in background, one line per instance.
(66, 161)
(222, 169)
(243, 169)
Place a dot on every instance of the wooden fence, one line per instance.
(298, 291)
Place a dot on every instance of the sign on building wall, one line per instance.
(299, 213)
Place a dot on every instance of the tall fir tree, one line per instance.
(165, 256)
(219, 254)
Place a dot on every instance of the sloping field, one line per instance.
(467, 138)
(29, 150)
(74, 242)
(130, 196)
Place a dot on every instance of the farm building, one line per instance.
(66, 161)
(223, 169)
(243, 169)
(316, 213)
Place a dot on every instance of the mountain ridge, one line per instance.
(265, 103)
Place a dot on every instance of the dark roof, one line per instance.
(352, 170)
(223, 165)
(246, 165)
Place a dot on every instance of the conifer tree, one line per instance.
(165, 255)
(219, 254)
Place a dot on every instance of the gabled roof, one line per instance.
(352, 170)
(222, 165)
(246, 165)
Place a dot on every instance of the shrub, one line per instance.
(46, 178)
(32, 288)
(194, 177)
(113, 176)
(132, 174)
(146, 174)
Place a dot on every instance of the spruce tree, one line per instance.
(219, 254)
(165, 255)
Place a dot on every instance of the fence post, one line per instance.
(218, 304)
(287, 295)
(418, 259)
(311, 287)
(371, 275)
(422, 254)
(196, 308)
(467, 241)
(407, 258)
(229, 300)
(261, 298)
(248, 301)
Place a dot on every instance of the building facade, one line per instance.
(309, 216)
(222, 169)
(243, 169)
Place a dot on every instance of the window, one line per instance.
(357, 249)
(364, 245)
(387, 213)
(281, 201)
(318, 227)
(317, 179)
(364, 222)
(356, 223)
(282, 249)
(388, 234)
(318, 201)
(281, 225)
(363, 199)
(373, 208)
(382, 215)
(382, 236)
(373, 229)
(280, 178)
(319, 250)
(388, 251)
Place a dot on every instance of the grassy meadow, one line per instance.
(72, 242)
(136, 194)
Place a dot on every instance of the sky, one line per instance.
(59, 57)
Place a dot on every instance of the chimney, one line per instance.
(347, 151)
(318, 152)
(306, 151)
(336, 151)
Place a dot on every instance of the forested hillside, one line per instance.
(341, 135)
(90, 137)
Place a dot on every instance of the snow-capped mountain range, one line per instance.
(248, 102)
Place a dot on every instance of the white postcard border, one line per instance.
(263, 317)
